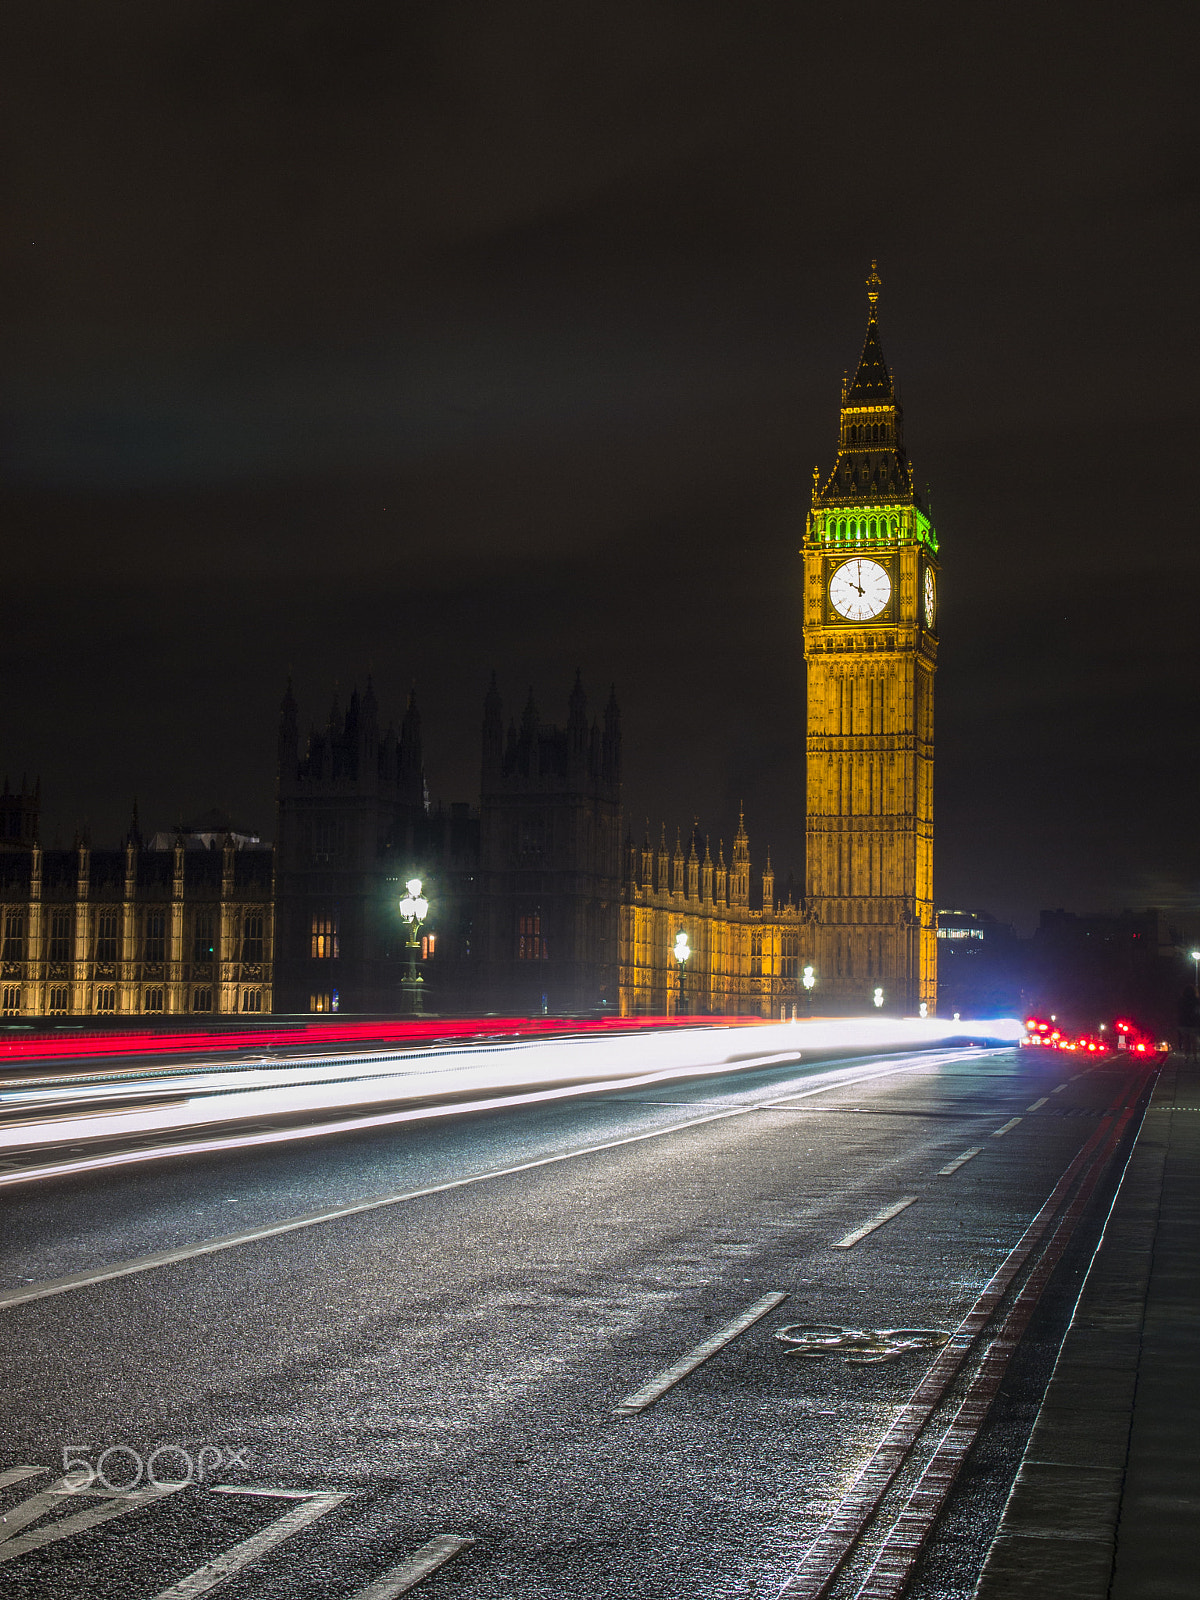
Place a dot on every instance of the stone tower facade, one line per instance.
(870, 644)
(549, 888)
(353, 823)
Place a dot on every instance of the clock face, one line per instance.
(929, 597)
(859, 590)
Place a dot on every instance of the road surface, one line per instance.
(532, 1351)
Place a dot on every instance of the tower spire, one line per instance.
(872, 470)
(872, 381)
(874, 284)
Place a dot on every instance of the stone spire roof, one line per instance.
(872, 465)
(872, 381)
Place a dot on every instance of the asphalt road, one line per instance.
(452, 1362)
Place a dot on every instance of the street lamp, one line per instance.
(681, 954)
(808, 979)
(414, 908)
(878, 997)
(1195, 955)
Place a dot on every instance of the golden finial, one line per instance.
(874, 284)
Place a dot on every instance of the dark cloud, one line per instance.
(417, 339)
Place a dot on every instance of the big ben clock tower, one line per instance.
(870, 644)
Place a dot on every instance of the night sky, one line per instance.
(417, 339)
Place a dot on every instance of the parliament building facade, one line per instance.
(540, 903)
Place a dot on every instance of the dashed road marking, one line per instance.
(650, 1392)
(1058, 1089)
(960, 1161)
(409, 1573)
(241, 1555)
(877, 1221)
(1011, 1123)
(1037, 1104)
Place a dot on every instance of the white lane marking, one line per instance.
(877, 1221)
(1059, 1089)
(409, 1573)
(18, 1474)
(267, 1494)
(120, 1503)
(650, 1392)
(960, 1161)
(1037, 1104)
(241, 1555)
(233, 1241)
(1011, 1123)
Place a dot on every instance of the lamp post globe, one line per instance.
(808, 979)
(414, 908)
(681, 952)
(878, 998)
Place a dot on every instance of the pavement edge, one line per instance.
(1069, 1503)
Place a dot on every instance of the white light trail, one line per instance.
(444, 1080)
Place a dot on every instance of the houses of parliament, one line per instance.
(542, 901)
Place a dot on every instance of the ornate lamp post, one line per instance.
(808, 979)
(878, 998)
(414, 908)
(681, 954)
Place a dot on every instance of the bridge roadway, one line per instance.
(531, 1352)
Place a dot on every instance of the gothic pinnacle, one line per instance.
(874, 284)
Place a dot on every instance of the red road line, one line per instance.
(831, 1548)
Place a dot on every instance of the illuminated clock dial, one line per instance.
(859, 590)
(929, 597)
